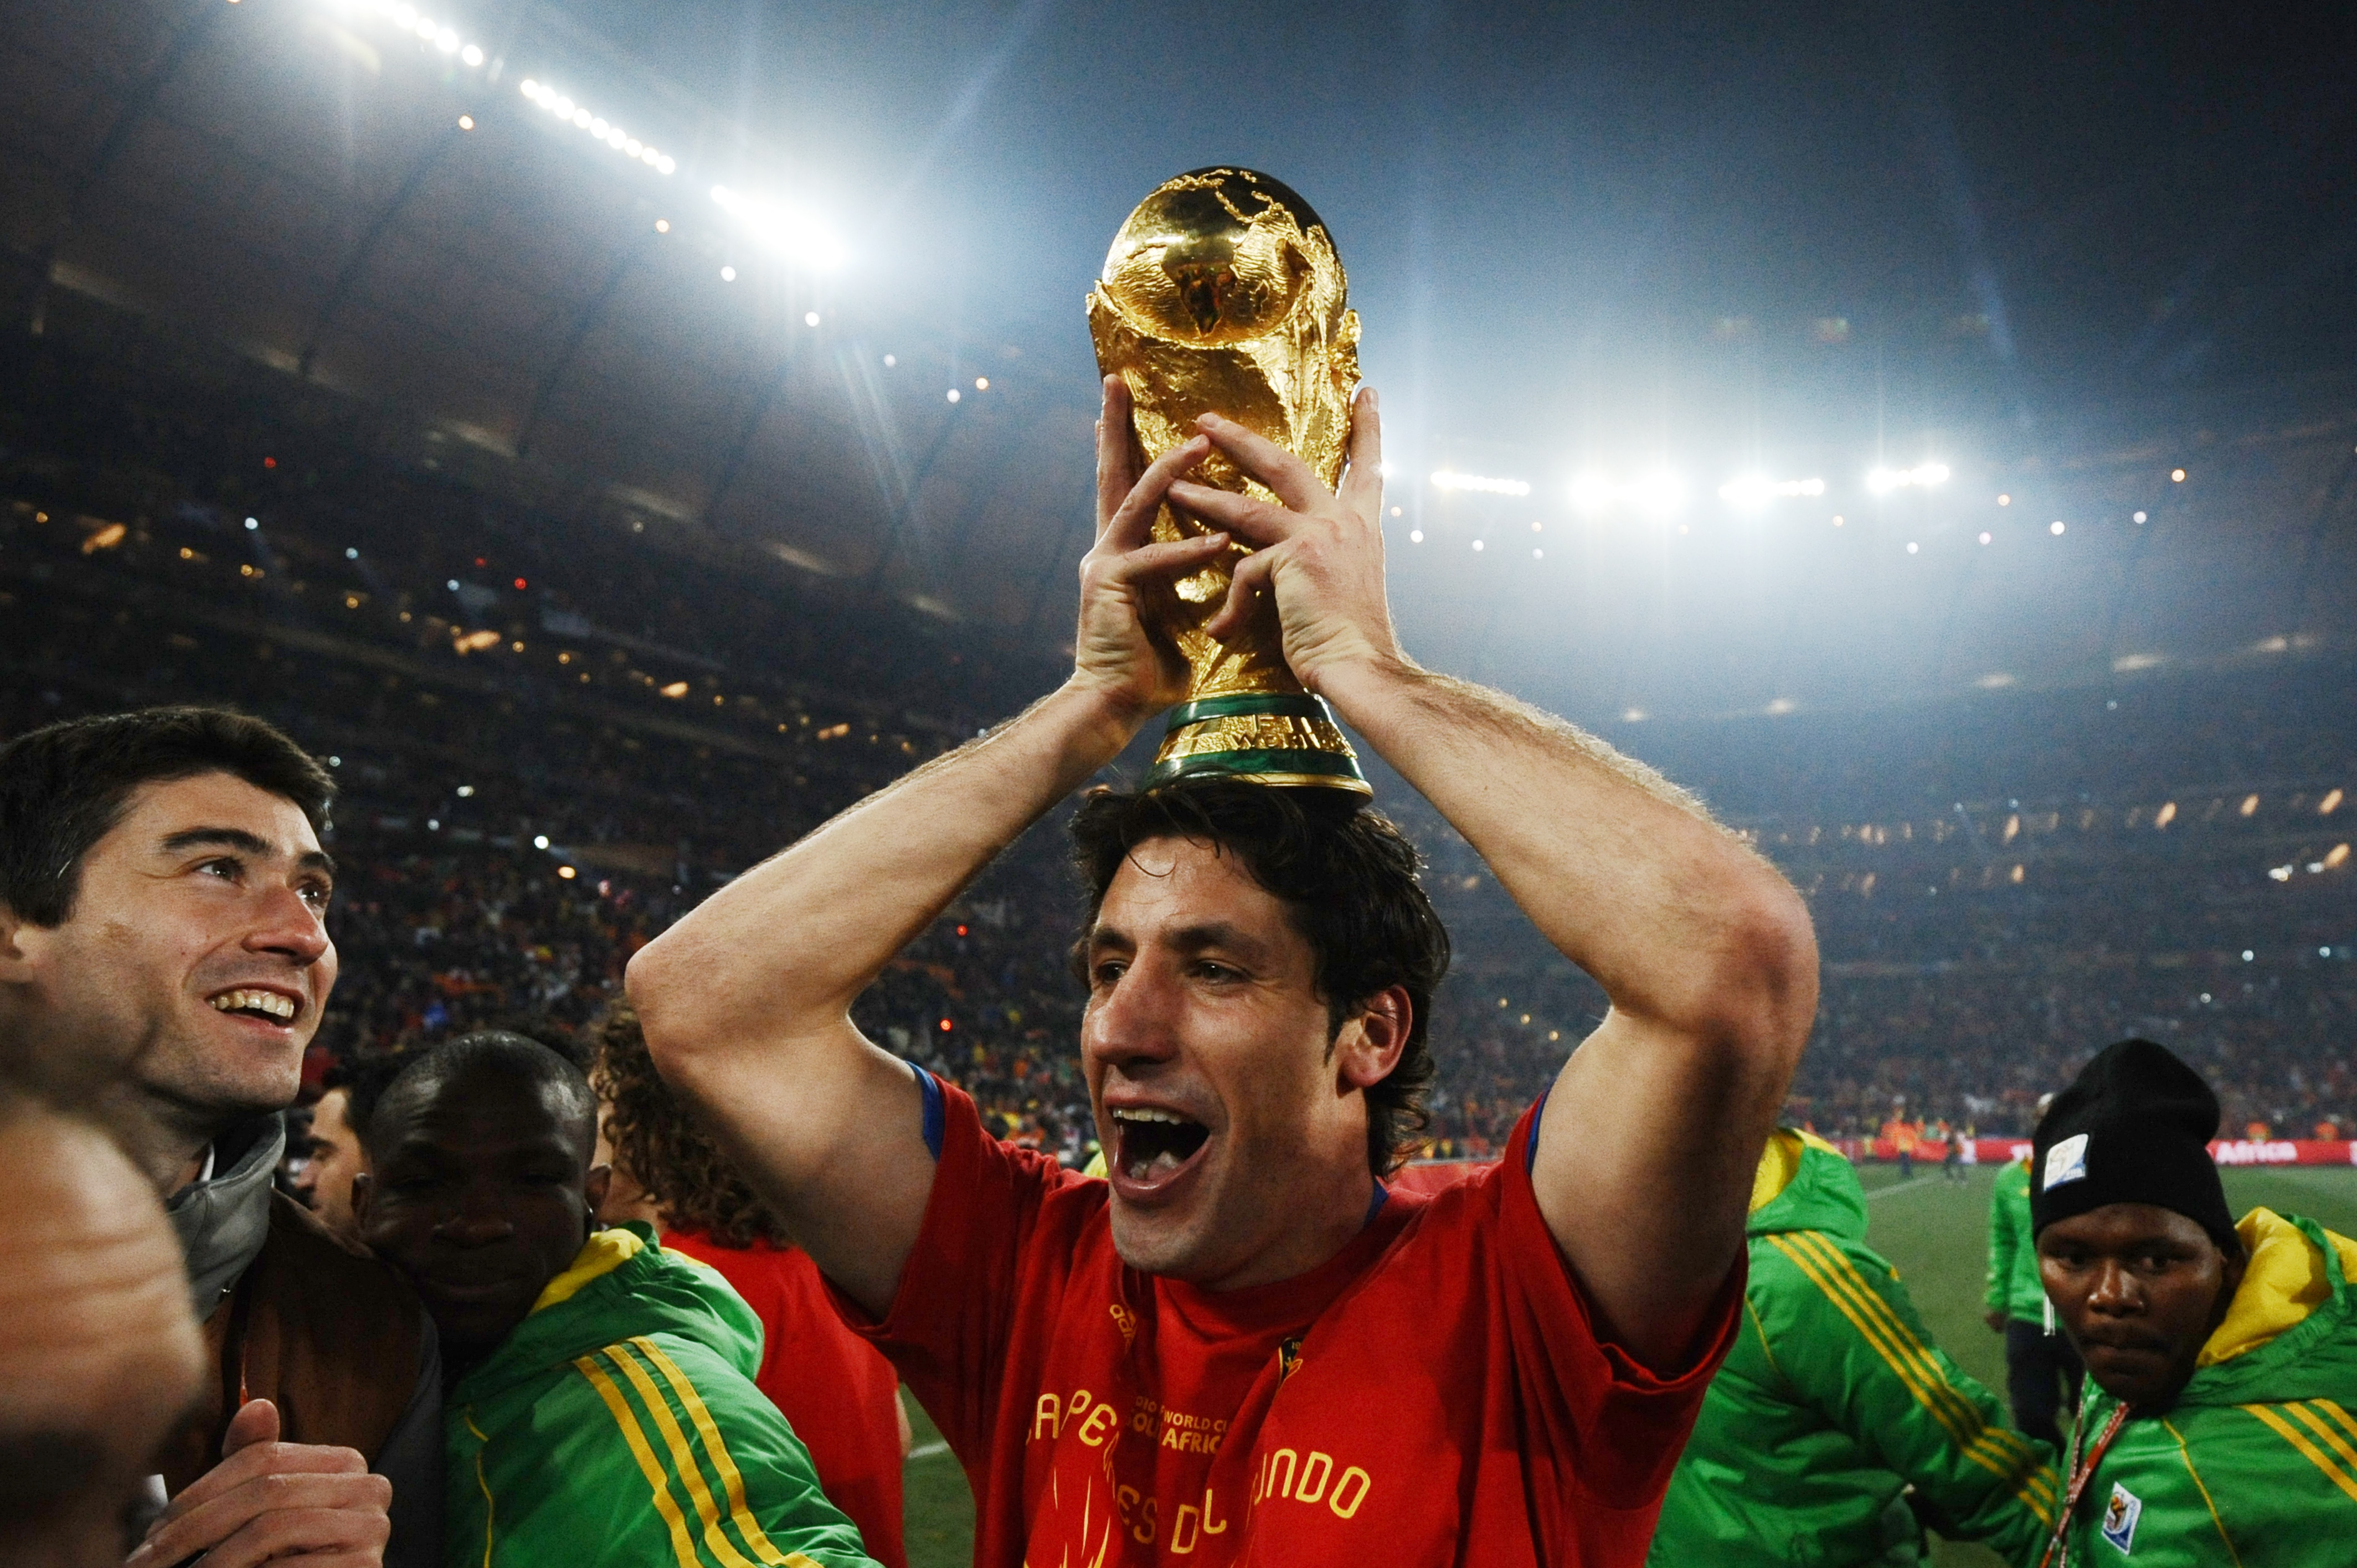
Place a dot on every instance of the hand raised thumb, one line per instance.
(257, 1422)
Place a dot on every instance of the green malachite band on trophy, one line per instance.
(1243, 704)
(1283, 767)
(1280, 767)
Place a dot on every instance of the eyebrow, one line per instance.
(249, 843)
(1186, 938)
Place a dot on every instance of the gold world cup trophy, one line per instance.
(1222, 294)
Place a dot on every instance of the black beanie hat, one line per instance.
(2134, 1127)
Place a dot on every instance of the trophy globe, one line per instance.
(1222, 294)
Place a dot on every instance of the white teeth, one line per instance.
(268, 1001)
(1148, 1113)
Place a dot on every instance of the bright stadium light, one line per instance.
(795, 233)
(1657, 492)
(598, 125)
(1924, 476)
(440, 35)
(1753, 492)
(1448, 479)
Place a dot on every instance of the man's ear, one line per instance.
(2234, 1265)
(15, 961)
(363, 1190)
(1374, 1038)
(601, 1179)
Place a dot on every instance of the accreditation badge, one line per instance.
(2120, 1516)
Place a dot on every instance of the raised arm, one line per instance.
(1651, 1134)
(747, 1002)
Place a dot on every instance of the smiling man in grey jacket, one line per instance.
(163, 933)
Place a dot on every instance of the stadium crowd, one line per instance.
(458, 760)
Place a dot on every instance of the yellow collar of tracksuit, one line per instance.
(604, 1252)
(1781, 1162)
(2284, 1282)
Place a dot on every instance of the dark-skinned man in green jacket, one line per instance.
(2219, 1425)
(1834, 1401)
(602, 1413)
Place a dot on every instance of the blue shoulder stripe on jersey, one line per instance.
(936, 1111)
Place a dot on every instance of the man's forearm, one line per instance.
(802, 935)
(1620, 869)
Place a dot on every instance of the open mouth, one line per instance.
(1155, 1144)
(249, 1002)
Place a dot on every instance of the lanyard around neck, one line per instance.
(2083, 1470)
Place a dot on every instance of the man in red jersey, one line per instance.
(1242, 1348)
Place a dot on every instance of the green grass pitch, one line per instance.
(1935, 1231)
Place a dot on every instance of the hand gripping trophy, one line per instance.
(1222, 294)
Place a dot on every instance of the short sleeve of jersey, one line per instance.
(1617, 1424)
(996, 1241)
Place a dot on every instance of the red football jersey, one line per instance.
(841, 1397)
(1434, 1393)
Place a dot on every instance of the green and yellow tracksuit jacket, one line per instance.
(2014, 1286)
(1833, 1399)
(618, 1425)
(2254, 1466)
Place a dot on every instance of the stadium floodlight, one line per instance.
(796, 233)
(1753, 491)
(1923, 476)
(1591, 492)
(1656, 492)
(1449, 479)
(601, 129)
(440, 36)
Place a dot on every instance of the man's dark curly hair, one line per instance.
(1346, 876)
(658, 1145)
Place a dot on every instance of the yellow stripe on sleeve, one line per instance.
(650, 1466)
(2325, 1430)
(1969, 1417)
(682, 1457)
(2307, 1450)
(1895, 1358)
(2346, 1423)
(1993, 1448)
(732, 1480)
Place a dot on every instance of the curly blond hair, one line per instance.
(660, 1147)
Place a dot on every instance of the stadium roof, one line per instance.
(388, 215)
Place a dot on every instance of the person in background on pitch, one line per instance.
(601, 1407)
(1242, 1346)
(105, 1361)
(1834, 1401)
(841, 1397)
(2042, 1370)
(2220, 1426)
(324, 1183)
(163, 914)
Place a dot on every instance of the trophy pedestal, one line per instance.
(1286, 739)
